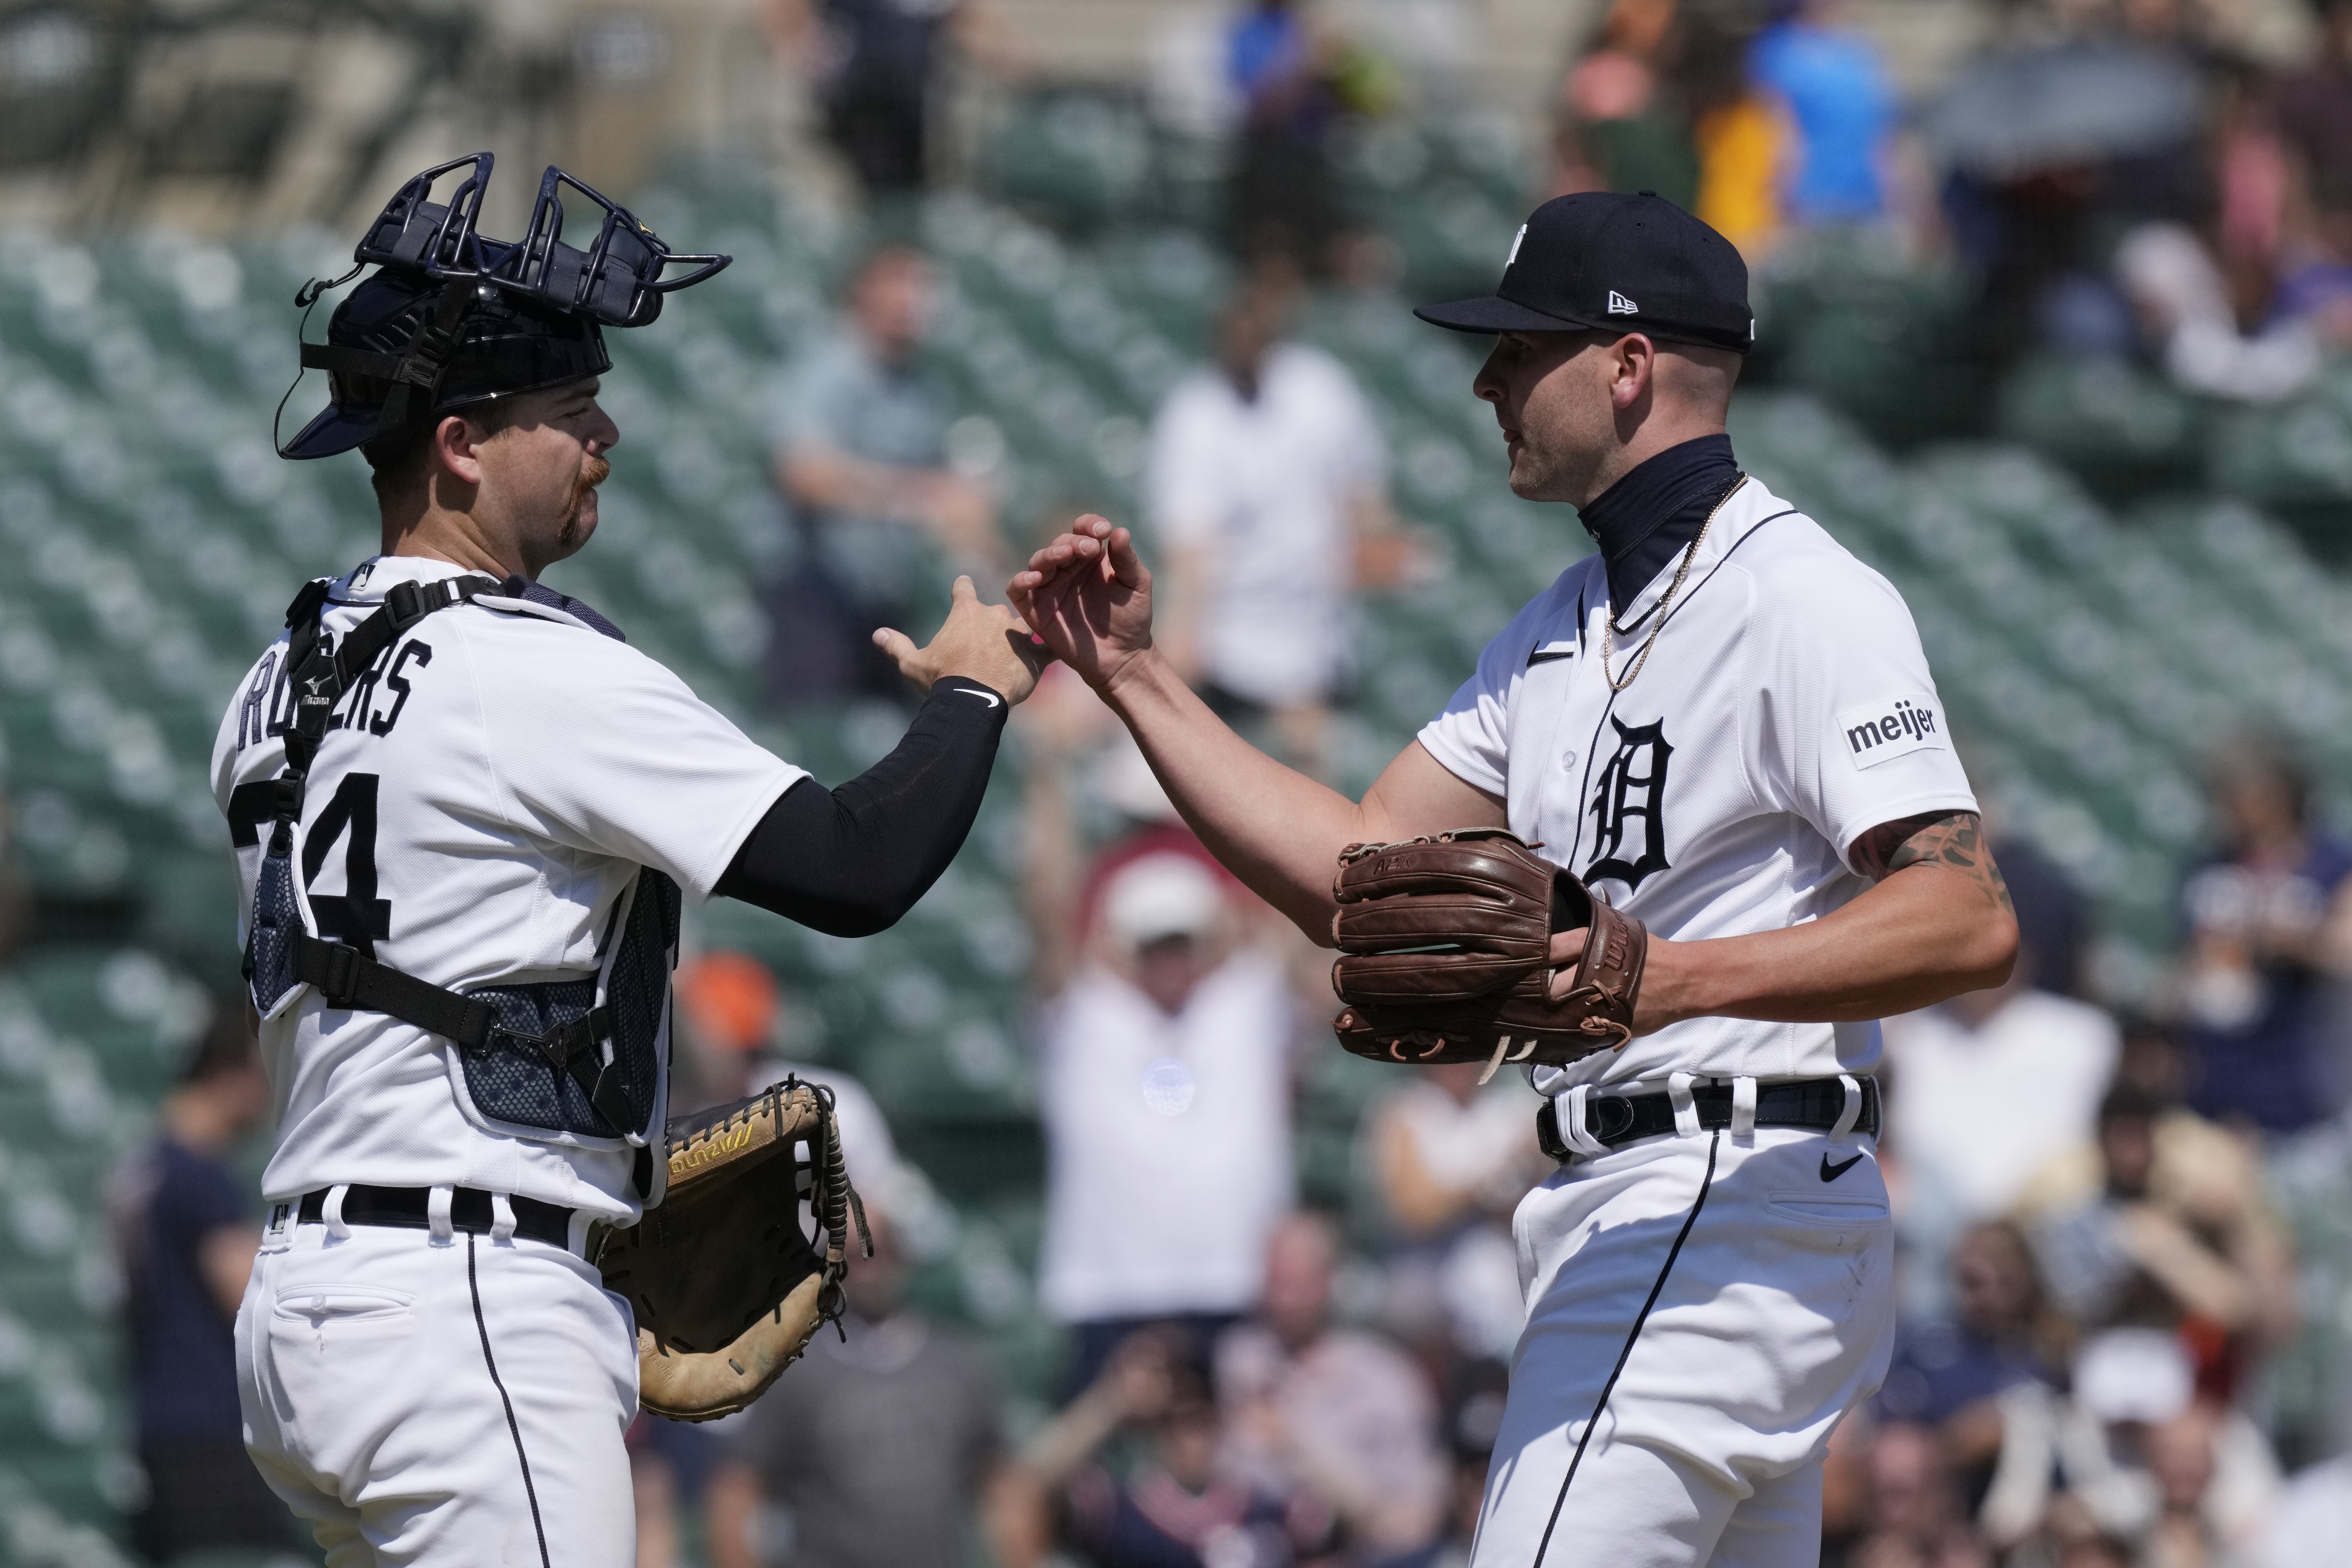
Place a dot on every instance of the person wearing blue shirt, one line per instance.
(1836, 90)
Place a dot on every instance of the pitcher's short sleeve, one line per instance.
(1850, 731)
(1472, 738)
(600, 748)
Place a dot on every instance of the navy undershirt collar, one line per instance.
(1648, 517)
(521, 587)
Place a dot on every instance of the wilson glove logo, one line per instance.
(1883, 731)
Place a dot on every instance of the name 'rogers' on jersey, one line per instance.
(508, 802)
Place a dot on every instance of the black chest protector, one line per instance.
(548, 1058)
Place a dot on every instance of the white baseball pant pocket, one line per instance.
(458, 1404)
(1701, 1313)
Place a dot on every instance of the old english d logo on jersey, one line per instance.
(1629, 806)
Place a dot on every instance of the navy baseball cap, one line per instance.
(1610, 261)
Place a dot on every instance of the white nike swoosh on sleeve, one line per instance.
(991, 697)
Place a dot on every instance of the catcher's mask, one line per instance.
(453, 318)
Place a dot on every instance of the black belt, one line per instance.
(404, 1208)
(1619, 1119)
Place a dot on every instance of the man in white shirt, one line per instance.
(1723, 722)
(1164, 1081)
(1268, 490)
(1994, 1085)
(466, 814)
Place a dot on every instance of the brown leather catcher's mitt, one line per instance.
(727, 1288)
(1445, 954)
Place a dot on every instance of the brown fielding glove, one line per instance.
(1445, 954)
(727, 1288)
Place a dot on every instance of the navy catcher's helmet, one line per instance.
(452, 318)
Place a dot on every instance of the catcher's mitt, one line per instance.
(727, 1288)
(1445, 954)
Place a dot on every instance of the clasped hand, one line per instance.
(1087, 595)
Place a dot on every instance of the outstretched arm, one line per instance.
(1088, 595)
(1936, 922)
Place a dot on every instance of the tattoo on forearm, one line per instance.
(1954, 840)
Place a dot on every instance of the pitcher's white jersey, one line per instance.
(1785, 710)
(482, 800)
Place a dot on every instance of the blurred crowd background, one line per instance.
(2055, 297)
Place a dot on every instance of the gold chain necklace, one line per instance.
(1609, 622)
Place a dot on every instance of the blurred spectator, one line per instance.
(2164, 1225)
(727, 1014)
(1163, 1068)
(1338, 1414)
(1916, 1514)
(184, 1223)
(1957, 1113)
(2197, 319)
(1181, 1507)
(1450, 1161)
(872, 1452)
(875, 66)
(2310, 1386)
(2269, 926)
(1621, 125)
(2053, 923)
(2314, 1516)
(861, 455)
(2132, 1456)
(1949, 1375)
(1281, 202)
(1268, 489)
(2049, 148)
(2312, 108)
(1742, 137)
(1472, 1417)
(1833, 87)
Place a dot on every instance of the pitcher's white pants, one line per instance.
(365, 1373)
(1776, 1316)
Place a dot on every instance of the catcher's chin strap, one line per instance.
(344, 976)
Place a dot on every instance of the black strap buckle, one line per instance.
(339, 980)
(286, 793)
(405, 604)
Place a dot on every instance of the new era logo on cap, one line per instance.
(1621, 306)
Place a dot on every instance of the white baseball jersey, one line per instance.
(1785, 710)
(481, 801)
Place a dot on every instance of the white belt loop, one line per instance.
(1851, 1113)
(1743, 1111)
(575, 1238)
(1679, 1096)
(1567, 1107)
(332, 1211)
(436, 1214)
(502, 1220)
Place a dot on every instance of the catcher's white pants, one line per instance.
(1775, 1316)
(396, 1390)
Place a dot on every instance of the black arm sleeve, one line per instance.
(850, 862)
